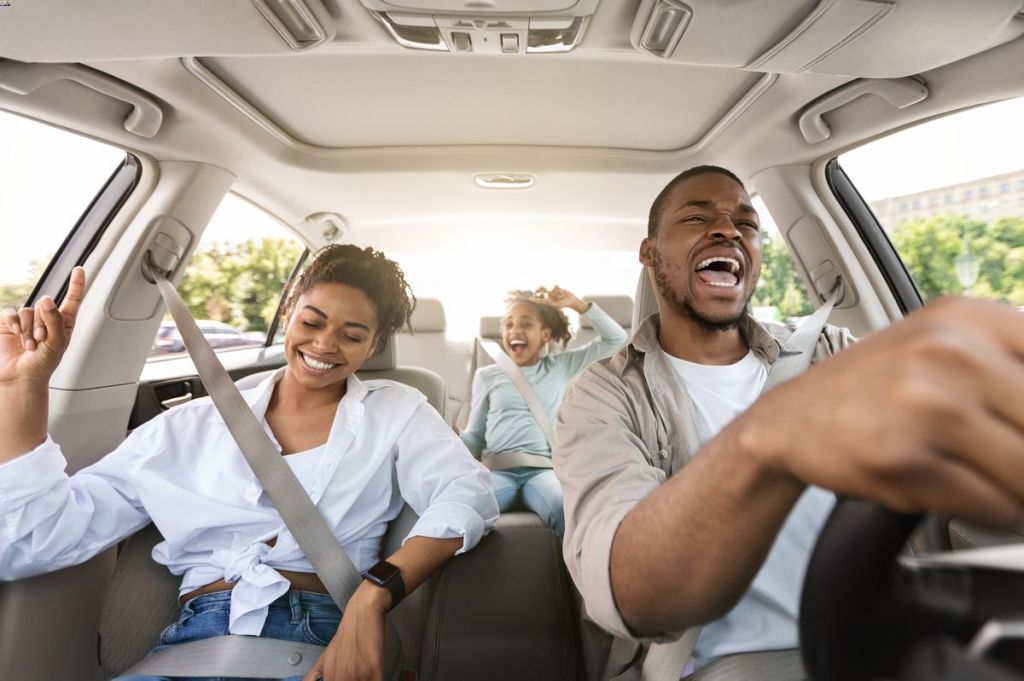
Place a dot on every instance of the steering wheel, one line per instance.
(866, 615)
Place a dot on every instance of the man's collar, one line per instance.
(768, 342)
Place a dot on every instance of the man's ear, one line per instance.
(647, 251)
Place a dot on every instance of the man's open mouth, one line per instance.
(719, 270)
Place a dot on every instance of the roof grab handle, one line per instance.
(146, 115)
(900, 92)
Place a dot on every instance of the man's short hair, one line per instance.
(658, 207)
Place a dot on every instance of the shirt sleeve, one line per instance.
(610, 337)
(474, 434)
(49, 520)
(602, 464)
(443, 483)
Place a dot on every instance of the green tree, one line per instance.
(239, 284)
(780, 284)
(15, 295)
(929, 248)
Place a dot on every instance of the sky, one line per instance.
(48, 177)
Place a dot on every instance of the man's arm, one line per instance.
(926, 415)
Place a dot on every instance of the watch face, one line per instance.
(382, 572)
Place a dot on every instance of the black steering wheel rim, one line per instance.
(862, 612)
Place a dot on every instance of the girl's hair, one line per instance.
(551, 318)
(382, 281)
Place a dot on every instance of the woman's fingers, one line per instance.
(73, 299)
(26, 323)
(10, 320)
(56, 330)
(44, 307)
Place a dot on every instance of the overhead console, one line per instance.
(835, 37)
(485, 26)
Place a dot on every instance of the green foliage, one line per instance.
(930, 246)
(780, 284)
(15, 295)
(239, 284)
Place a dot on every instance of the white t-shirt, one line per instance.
(766, 617)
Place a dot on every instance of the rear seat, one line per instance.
(427, 346)
(619, 308)
(503, 611)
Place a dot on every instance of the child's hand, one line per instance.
(558, 297)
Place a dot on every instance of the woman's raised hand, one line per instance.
(33, 340)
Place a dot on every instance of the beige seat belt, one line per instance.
(247, 656)
(667, 660)
(507, 460)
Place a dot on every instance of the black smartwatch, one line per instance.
(389, 577)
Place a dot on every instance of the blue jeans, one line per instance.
(541, 493)
(301, 616)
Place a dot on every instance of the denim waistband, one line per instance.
(310, 600)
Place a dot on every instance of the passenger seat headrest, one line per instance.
(619, 308)
(428, 317)
(490, 328)
(385, 360)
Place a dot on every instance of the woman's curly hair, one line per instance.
(551, 317)
(368, 270)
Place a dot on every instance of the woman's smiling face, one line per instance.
(331, 331)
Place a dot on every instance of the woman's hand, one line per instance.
(558, 297)
(33, 340)
(356, 653)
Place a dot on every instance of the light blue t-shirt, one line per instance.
(765, 618)
(500, 421)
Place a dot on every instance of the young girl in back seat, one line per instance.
(500, 422)
(360, 449)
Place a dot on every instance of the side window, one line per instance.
(234, 282)
(48, 178)
(780, 295)
(949, 194)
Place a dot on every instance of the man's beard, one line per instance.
(685, 306)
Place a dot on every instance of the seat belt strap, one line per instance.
(298, 512)
(667, 660)
(230, 656)
(507, 460)
(519, 380)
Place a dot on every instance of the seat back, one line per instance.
(503, 612)
(426, 345)
(619, 308)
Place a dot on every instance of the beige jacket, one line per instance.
(626, 425)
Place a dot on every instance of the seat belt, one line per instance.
(667, 660)
(507, 460)
(252, 657)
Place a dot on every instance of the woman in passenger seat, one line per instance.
(500, 422)
(360, 449)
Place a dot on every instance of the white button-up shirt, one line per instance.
(184, 472)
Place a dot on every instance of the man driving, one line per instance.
(691, 501)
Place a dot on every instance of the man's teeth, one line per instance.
(734, 265)
(316, 364)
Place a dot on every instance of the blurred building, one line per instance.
(987, 199)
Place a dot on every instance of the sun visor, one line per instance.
(835, 37)
(493, 27)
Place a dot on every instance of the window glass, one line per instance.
(48, 177)
(973, 242)
(235, 279)
(780, 295)
(471, 286)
